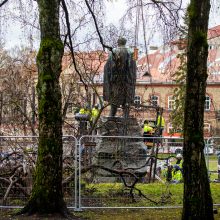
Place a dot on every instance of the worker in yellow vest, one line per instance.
(93, 121)
(160, 123)
(85, 110)
(147, 128)
(148, 131)
(95, 113)
(84, 116)
(177, 172)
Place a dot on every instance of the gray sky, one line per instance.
(116, 10)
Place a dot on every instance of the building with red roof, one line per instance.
(156, 83)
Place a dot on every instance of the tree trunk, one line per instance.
(47, 195)
(197, 203)
(1, 108)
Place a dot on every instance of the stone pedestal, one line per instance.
(120, 152)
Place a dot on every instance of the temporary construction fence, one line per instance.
(18, 156)
(101, 171)
(212, 152)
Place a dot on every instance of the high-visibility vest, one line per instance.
(147, 128)
(160, 121)
(84, 111)
(95, 113)
(177, 175)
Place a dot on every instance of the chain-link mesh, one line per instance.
(116, 171)
(18, 157)
(104, 171)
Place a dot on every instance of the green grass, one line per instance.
(212, 157)
(213, 163)
(154, 191)
(115, 195)
(163, 194)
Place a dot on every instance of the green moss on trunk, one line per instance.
(47, 195)
(197, 202)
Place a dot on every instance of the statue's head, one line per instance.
(121, 41)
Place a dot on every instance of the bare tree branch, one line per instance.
(97, 28)
(71, 44)
(4, 2)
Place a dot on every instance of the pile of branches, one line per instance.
(16, 174)
(16, 170)
(131, 176)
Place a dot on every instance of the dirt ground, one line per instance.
(106, 214)
(10, 215)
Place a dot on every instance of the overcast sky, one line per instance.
(116, 10)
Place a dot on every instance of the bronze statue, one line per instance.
(119, 78)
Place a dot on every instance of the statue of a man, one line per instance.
(119, 78)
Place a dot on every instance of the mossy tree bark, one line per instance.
(197, 203)
(47, 195)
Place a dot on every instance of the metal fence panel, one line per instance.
(212, 152)
(115, 171)
(103, 171)
(18, 156)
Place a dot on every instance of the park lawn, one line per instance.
(114, 194)
(154, 191)
(213, 166)
(110, 214)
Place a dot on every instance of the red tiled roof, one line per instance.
(161, 65)
(164, 62)
(214, 32)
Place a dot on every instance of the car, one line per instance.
(172, 145)
(175, 146)
(209, 149)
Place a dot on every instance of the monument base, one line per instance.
(122, 151)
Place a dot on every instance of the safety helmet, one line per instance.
(179, 156)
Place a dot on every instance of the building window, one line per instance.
(215, 73)
(154, 100)
(211, 46)
(137, 100)
(207, 103)
(207, 128)
(171, 102)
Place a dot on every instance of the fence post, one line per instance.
(207, 152)
(218, 156)
(78, 176)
